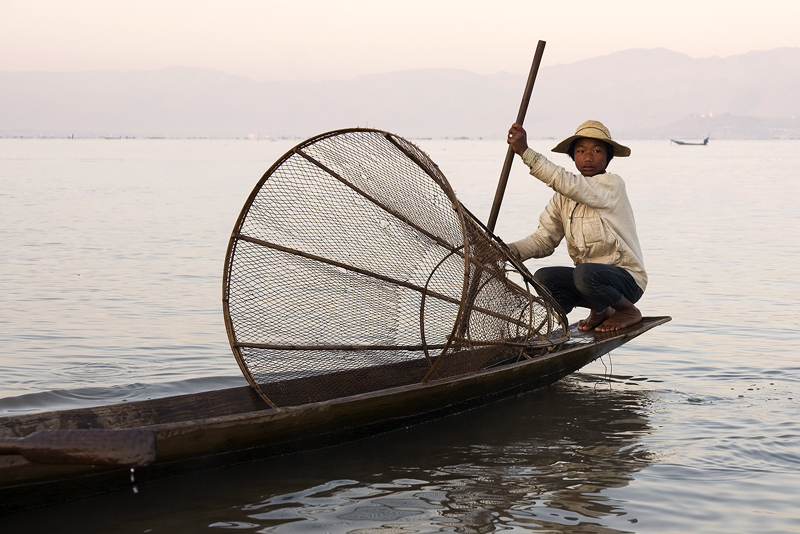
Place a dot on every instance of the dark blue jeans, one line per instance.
(589, 284)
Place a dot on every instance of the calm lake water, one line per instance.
(111, 257)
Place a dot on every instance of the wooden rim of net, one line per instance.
(353, 257)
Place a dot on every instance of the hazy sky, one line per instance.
(339, 39)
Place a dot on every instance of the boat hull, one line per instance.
(212, 429)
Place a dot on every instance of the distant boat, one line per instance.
(704, 143)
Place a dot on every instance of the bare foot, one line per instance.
(595, 319)
(626, 314)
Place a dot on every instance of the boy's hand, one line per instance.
(518, 139)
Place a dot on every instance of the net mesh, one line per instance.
(354, 268)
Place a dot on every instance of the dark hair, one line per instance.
(609, 150)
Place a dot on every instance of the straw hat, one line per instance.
(595, 130)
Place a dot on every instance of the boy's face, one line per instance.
(590, 156)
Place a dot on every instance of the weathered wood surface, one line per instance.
(127, 447)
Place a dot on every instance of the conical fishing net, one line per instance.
(353, 268)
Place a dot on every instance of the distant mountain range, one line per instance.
(639, 93)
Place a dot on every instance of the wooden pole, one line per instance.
(523, 109)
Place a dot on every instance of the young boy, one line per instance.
(591, 210)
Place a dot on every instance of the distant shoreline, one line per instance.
(645, 94)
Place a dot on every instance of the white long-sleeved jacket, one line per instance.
(593, 213)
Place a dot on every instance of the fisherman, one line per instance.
(592, 211)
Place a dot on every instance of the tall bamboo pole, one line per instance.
(523, 109)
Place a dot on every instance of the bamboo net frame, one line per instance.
(353, 267)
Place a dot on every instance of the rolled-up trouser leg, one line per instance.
(560, 283)
(605, 285)
(597, 284)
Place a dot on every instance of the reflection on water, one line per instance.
(545, 460)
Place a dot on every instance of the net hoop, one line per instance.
(346, 242)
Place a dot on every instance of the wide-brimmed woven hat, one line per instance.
(595, 130)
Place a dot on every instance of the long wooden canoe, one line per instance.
(211, 429)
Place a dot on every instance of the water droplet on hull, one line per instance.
(133, 481)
